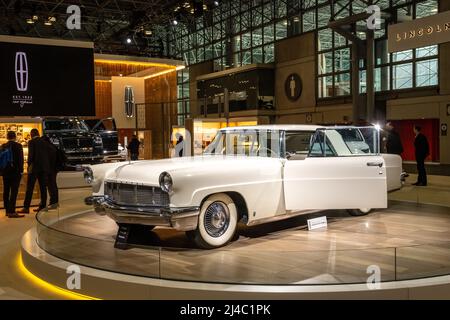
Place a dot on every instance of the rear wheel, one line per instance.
(359, 212)
(217, 222)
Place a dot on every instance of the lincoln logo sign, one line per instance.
(129, 101)
(418, 33)
(21, 71)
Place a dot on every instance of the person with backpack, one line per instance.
(11, 166)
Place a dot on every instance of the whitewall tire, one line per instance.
(217, 222)
(359, 212)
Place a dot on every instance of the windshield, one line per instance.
(64, 124)
(256, 143)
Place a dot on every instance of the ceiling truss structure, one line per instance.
(106, 23)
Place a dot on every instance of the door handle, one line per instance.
(375, 164)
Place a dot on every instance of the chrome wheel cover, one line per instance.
(217, 219)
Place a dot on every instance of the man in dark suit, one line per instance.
(422, 152)
(52, 174)
(133, 148)
(12, 175)
(38, 169)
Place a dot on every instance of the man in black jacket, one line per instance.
(52, 174)
(12, 176)
(422, 152)
(38, 169)
(133, 148)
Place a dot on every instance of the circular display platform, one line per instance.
(405, 247)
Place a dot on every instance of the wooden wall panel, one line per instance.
(161, 111)
(103, 99)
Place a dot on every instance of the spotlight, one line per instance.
(50, 21)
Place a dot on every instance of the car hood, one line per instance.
(147, 172)
(70, 133)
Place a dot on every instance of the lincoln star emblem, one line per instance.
(21, 71)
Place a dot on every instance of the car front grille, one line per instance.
(110, 144)
(136, 195)
(76, 143)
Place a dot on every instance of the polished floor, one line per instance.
(405, 241)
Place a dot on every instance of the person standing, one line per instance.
(422, 151)
(179, 147)
(12, 175)
(38, 169)
(54, 167)
(393, 141)
(133, 148)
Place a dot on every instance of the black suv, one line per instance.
(107, 130)
(74, 137)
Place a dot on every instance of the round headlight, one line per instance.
(165, 182)
(88, 175)
(98, 140)
(54, 140)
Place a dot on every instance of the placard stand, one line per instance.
(123, 234)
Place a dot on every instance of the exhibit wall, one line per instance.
(42, 78)
(161, 111)
(118, 85)
(103, 98)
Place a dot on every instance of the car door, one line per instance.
(336, 174)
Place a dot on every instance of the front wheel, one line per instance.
(217, 222)
(359, 212)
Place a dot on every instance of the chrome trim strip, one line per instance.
(289, 214)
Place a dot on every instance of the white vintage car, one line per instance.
(250, 174)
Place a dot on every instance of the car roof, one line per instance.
(294, 127)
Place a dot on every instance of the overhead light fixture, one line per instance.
(49, 21)
(32, 19)
(148, 32)
(296, 19)
(192, 11)
(128, 40)
(216, 3)
(174, 22)
(205, 7)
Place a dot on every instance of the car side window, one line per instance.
(321, 147)
(298, 144)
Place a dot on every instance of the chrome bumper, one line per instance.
(183, 219)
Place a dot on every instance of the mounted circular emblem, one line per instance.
(293, 87)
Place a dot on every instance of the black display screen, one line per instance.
(44, 80)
